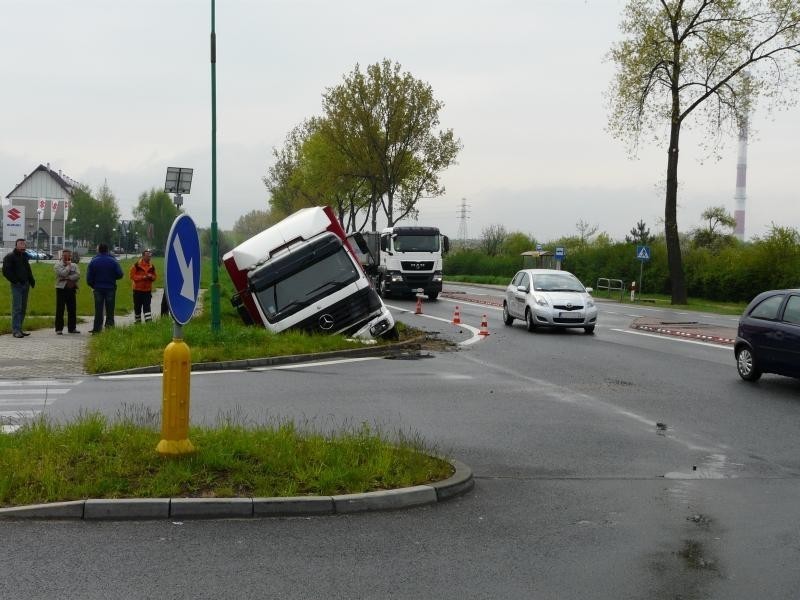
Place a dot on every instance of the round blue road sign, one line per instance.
(182, 269)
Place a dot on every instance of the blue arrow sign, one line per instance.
(182, 269)
(643, 252)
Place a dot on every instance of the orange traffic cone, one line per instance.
(484, 327)
(418, 310)
(457, 317)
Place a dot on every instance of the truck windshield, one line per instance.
(416, 243)
(298, 289)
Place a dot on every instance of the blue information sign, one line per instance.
(560, 254)
(643, 253)
(182, 269)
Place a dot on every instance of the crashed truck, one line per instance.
(303, 274)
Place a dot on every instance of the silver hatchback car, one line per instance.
(549, 298)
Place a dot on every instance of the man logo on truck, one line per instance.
(326, 322)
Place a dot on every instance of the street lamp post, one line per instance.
(215, 310)
(74, 242)
(96, 233)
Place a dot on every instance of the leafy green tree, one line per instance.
(224, 242)
(706, 58)
(155, 213)
(516, 243)
(713, 235)
(384, 125)
(95, 217)
(252, 223)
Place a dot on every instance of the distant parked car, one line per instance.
(768, 338)
(549, 298)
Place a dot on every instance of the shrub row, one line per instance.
(733, 273)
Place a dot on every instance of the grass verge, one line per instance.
(94, 457)
(143, 345)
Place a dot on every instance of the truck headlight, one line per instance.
(397, 277)
(379, 327)
(437, 276)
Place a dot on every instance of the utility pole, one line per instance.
(462, 221)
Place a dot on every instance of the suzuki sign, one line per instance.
(13, 224)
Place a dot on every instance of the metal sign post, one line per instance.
(182, 285)
(643, 255)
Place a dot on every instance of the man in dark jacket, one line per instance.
(102, 275)
(18, 271)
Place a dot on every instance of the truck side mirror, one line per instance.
(445, 244)
(360, 242)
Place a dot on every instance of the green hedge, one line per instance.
(734, 273)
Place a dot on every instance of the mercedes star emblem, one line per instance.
(326, 322)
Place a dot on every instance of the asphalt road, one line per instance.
(580, 493)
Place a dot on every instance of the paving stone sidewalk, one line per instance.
(45, 354)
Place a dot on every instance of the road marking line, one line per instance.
(34, 391)
(38, 382)
(265, 368)
(675, 339)
(474, 330)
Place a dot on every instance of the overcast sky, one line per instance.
(119, 91)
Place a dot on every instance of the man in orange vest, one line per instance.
(142, 274)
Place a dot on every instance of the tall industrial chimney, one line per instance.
(741, 181)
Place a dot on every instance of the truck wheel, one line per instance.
(433, 296)
(382, 288)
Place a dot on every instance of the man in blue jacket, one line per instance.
(102, 275)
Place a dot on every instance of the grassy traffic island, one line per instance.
(96, 457)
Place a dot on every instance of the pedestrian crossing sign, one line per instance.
(643, 252)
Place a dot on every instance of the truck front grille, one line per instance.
(417, 265)
(345, 315)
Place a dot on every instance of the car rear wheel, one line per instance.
(746, 365)
(507, 318)
(530, 320)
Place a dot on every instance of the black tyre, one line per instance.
(433, 296)
(382, 288)
(530, 320)
(589, 329)
(746, 364)
(507, 318)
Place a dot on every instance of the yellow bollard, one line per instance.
(175, 406)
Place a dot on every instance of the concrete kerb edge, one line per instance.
(696, 336)
(248, 363)
(237, 508)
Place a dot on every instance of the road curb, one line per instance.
(249, 363)
(242, 508)
(718, 339)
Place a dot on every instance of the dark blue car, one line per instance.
(768, 340)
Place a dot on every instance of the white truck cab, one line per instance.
(301, 273)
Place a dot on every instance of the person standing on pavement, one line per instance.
(142, 274)
(67, 277)
(17, 270)
(102, 275)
